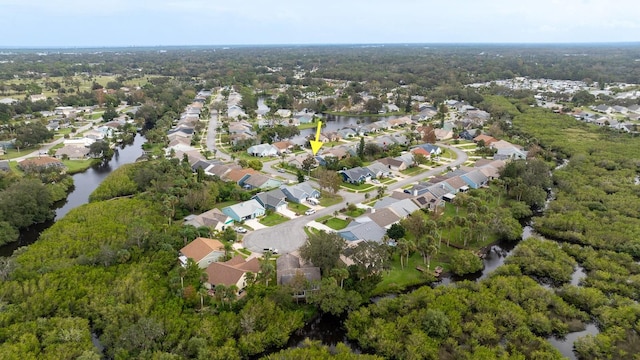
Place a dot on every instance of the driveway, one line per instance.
(288, 213)
(255, 224)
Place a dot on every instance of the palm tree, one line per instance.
(266, 267)
(202, 292)
(406, 247)
(427, 247)
(340, 274)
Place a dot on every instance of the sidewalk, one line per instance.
(317, 225)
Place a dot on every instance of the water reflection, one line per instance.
(83, 185)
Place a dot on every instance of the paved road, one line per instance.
(212, 132)
(289, 236)
(44, 149)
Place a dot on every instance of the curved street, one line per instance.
(289, 236)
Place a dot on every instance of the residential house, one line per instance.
(239, 175)
(602, 108)
(39, 163)
(347, 133)
(510, 154)
(72, 152)
(443, 134)
(8, 101)
(299, 192)
(384, 217)
(440, 189)
(457, 184)
(379, 170)
(386, 201)
(427, 201)
(339, 152)
(213, 219)
(403, 208)
(283, 146)
(263, 150)
(393, 164)
(231, 272)
(297, 160)
(259, 181)
(475, 179)
(486, 138)
(220, 170)
(272, 200)
(356, 175)
(432, 150)
(203, 251)
(246, 210)
(290, 266)
(402, 121)
(407, 159)
(363, 229)
(331, 136)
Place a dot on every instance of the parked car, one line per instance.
(281, 170)
(272, 250)
(241, 230)
(309, 212)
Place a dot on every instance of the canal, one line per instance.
(84, 184)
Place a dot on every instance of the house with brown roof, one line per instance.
(213, 219)
(283, 146)
(231, 272)
(40, 163)
(237, 175)
(393, 164)
(290, 266)
(488, 140)
(72, 152)
(384, 217)
(203, 251)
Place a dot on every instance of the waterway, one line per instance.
(84, 184)
(337, 122)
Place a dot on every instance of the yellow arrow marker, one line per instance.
(317, 144)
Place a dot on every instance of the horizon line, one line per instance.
(50, 47)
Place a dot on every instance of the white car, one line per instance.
(241, 230)
(310, 212)
(272, 250)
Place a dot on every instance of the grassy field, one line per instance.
(298, 208)
(76, 166)
(337, 224)
(354, 213)
(413, 171)
(13, 153)
(398, 279)
(273, 219)
(359, 187)
(327, 200)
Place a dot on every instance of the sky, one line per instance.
(104, 23)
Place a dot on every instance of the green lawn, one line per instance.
(355, 213)
(389, 181)
(321, 219)
(273, 219)
(327, 200)
(398, 279)
(224, 204)
(13, 153)
(360, 187)
(337, 224)
(76, 166)
(413, 171)
(311, 125)
(297, 208)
